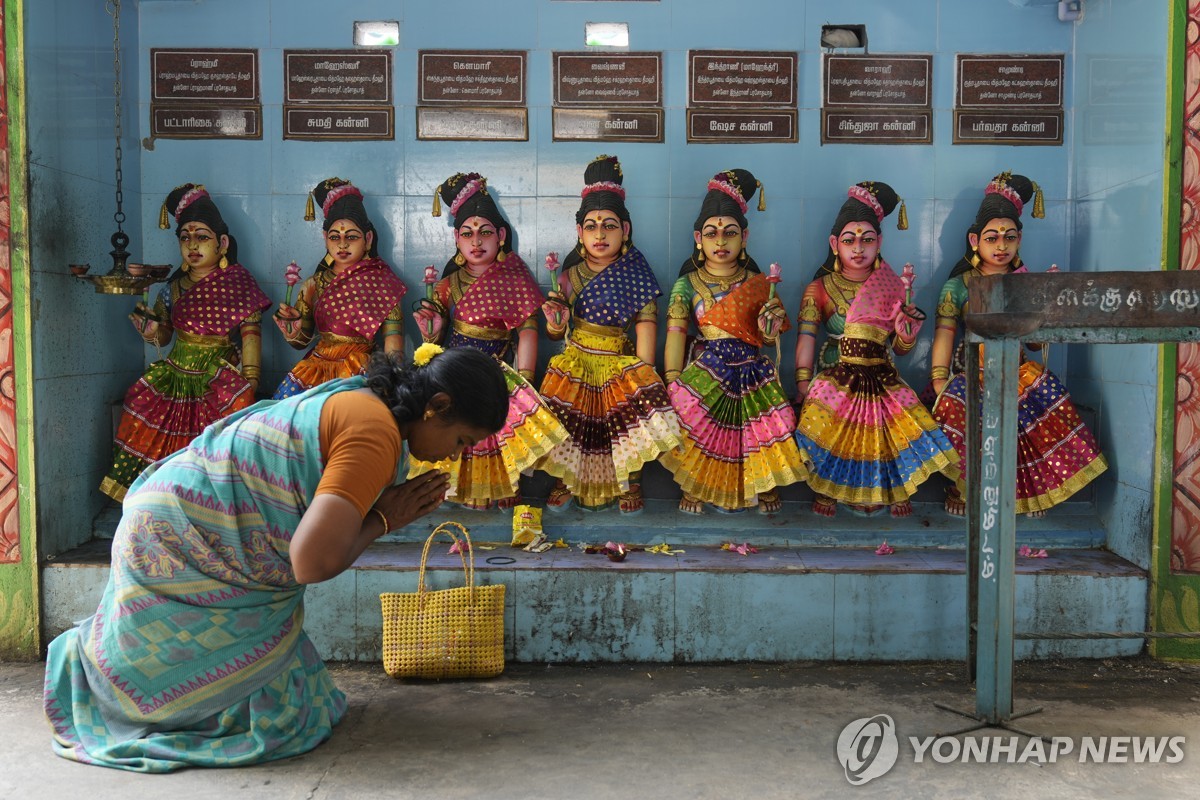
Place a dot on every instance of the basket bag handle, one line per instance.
(468, 565)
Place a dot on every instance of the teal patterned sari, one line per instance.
(197, 654)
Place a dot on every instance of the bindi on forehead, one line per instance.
(721, 223)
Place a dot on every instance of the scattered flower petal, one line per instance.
(884, 549)
(1025, 551)
(663, 549)
(460, 546)
(745, 548)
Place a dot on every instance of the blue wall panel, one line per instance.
(1104, 197)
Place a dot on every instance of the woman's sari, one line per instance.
(197, 654)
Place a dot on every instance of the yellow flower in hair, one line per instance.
(425, 353)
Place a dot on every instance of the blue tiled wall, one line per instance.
(1101, 200)
(85, 353)
(1117, 223)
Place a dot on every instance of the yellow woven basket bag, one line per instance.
(448, 633)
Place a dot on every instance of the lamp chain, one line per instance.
(113, 7)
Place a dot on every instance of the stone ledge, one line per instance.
(775, 558)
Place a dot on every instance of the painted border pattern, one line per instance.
(1185, 494)
(10, 531)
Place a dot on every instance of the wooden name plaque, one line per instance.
(471, 77)
(203, 75)
(341, 77)
(607, 79)
(1122, 306)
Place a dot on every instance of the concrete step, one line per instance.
(815, 590)
(1071, 524)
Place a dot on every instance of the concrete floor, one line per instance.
(650, 731)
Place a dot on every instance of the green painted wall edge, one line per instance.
(20, 594)
(1174, 597)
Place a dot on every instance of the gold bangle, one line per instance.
(527, 374)
(803, 374)
(672, 374)
(939, 373)
(387, 526)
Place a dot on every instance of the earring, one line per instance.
(878, 261)
(458, 259)
(974, 259)
(224, 262)
(699, 254)
(582, 249)
(428, 414)
(743, 257)
(184, 267)
(624, 248)
(501, 256)
(837, 264)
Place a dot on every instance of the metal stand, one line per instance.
(981, 723)
(1085, 308)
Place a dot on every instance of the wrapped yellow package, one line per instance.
(526, 526)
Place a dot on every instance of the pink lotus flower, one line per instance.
(291, 276)
(552, 261)
(1054, 268)
(884, 549)
(431, 275)
(907, 277)
(1026, 551)
(774, 274)
(745, 548)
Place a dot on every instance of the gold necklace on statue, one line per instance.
(846, 289)
(723, 282)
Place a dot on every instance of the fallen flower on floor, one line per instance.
(745, 548)
(460, 546)
(1028, 552)
(663, 549)
(884, 549)
(560, 543)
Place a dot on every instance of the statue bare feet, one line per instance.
(955, 505)
(631, 502)
(769, 502)
(824, 506)
(560, 495)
